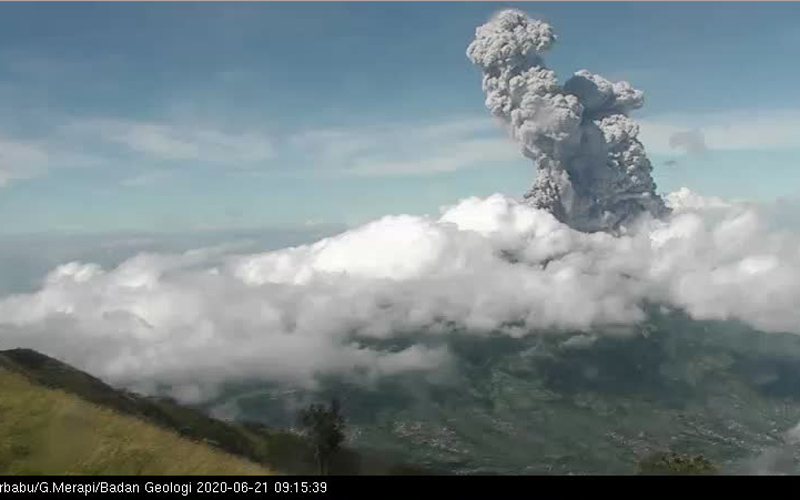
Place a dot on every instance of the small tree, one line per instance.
(668, 463)
(324, 425)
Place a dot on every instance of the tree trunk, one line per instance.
(320, 461)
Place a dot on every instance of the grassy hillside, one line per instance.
(49, 431)
(56, 419)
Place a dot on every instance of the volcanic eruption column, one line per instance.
(593, 173)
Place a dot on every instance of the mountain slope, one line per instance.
(44, 403)
(50, 431)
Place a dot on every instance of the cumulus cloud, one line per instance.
(337, 306)
(593, 173)
(25, 259)
(684, 199)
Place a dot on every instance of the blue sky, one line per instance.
(186, 116)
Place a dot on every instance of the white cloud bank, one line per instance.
(207, 316)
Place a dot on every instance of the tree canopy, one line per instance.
(670, 463)
(324, 425)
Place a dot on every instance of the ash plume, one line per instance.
(593, 173)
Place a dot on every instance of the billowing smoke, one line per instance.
(593, 173)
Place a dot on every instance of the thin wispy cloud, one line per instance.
(408, 149)
(733, 130)
(149, 178)
(170, 142)
(463, 154)
(119, 143)
(21, 160)
(161, 148)
(26, 159)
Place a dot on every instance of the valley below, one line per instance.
(556, 404)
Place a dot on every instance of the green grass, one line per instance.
(55, 419)
(49, 431)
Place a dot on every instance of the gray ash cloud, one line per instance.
(593, 172)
